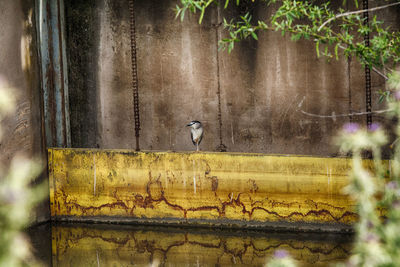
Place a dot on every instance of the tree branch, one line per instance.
(357, 12)
(380, 73)
(344, 115)
(333, 116)
(373, 68)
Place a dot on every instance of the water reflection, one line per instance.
(105, 245)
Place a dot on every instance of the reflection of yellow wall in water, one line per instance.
(222, 188)
(139, 247)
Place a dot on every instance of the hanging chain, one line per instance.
(134, 73)
(221, 147)
(367, 69)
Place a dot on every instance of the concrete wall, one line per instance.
(19, 65)
(261, 83)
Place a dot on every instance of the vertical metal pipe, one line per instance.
(54, 76)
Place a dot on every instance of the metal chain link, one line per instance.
(221, 147)
(134, 73)
(367, 69)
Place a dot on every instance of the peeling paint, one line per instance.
(251, 188)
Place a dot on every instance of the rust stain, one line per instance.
(149, 201)
(214, 183)
(254, 186)
(144, 185)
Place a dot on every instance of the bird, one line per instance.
(196, 133)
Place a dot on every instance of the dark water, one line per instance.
(117, 245)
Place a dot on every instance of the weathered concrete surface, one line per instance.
(82, 41)
(262, 83)
(212, 189)
(19, 66)
(173, 75)
(262, 97)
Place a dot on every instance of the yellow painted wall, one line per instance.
(250, 190)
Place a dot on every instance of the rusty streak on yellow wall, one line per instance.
(207, 188)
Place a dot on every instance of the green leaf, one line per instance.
(182, 14)
(226, 4)
(295, 37)
(381, 98)
(202, 15)
(177, 11)
(317, 48)
(230, 47)
(336, 51)
(254, 35)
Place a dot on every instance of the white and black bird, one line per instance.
(196, 133)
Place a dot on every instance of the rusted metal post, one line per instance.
(54, 76)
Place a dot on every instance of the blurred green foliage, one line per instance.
(17, 197)
(377, 194)
(334, 30)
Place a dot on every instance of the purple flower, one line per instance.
(280, 254)
(396, 204)
(374, 127)
(3, 81)
(397, 95)
(371, 238)
(351, 127)
(392, 185)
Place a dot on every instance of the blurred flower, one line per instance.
(397, 95)
(18, 196)
(3, 81)
(394, 80)
(396, 204)
(280, 254)
(7, 99)
(374, 127)
(392, 185)
(371, 238)
(351, 127)
(281, 259)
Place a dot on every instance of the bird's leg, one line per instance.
(197, 146)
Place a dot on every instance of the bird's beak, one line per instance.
(189, 124)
